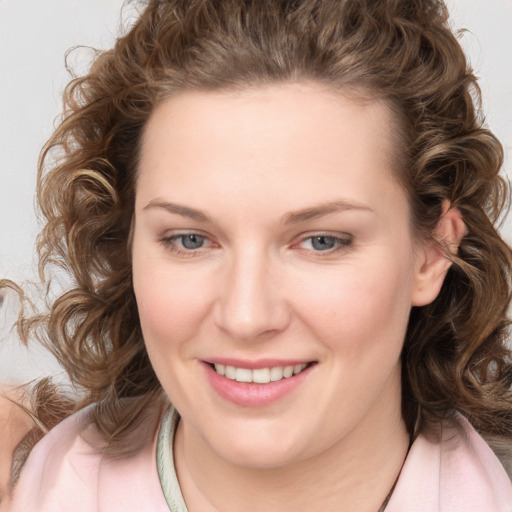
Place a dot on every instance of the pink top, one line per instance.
(451, 471)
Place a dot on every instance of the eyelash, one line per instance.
(169, 243)
(340, 243)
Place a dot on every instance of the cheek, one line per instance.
(170, 304)
(364, 306)
(171, 312)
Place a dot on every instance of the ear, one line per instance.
(434, 256)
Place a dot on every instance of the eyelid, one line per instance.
(168, 241)
(344, 241)
(176, 233)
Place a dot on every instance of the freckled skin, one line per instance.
(258, 287)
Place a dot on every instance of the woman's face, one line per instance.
(272, 242)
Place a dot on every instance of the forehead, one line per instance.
(301, 138)
(197, 112)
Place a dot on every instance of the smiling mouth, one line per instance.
(260, 375)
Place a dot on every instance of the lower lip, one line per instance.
(250, 394)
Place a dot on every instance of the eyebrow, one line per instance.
(321, 210)
(293, 217)
(179, 209)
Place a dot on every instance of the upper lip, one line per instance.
(255, 364)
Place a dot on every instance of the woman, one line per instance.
(279, 216)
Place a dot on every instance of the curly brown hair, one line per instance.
(455, 355)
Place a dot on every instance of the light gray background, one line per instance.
(34, 36)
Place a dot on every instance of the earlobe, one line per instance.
(434, 258)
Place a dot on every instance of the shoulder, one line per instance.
(60, 467)
(450, 468)
(66, 471)
(471, 471)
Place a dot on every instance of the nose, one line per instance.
(250, 303)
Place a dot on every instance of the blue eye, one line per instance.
(191, 241)
(185, 244)
(325, 243)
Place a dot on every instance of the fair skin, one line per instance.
(270, 230)
(15, 423)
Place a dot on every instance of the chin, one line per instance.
(258, 455)
(259, 445)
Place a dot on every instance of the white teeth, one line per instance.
(287, 371)
(276, 373)
(243, 375)
(260, 375)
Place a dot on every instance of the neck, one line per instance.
(356, 473)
